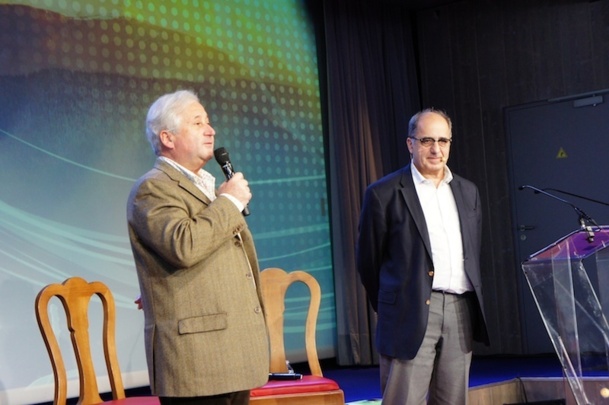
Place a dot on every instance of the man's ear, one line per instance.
(409, 145)
(166, 139)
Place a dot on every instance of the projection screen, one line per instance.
(76, 80)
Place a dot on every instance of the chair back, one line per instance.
(75, 294)
(274, 284)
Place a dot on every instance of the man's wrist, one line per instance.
(234, 200)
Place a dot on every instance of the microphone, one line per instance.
(221, 155)
(584, 219)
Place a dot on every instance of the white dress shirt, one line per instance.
(442, 219)
(204, 181)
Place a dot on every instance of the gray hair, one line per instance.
(413, 124)
(165, 114)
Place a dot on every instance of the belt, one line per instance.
(453, 293)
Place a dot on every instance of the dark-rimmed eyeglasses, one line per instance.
(428, 142)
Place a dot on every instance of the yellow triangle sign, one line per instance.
(561, 154)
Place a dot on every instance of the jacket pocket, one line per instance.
(205, 323)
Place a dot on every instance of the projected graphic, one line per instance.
(76, 80)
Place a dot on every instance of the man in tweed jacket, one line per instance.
(205, 333)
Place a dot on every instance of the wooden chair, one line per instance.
(75, 295)
(312, 389)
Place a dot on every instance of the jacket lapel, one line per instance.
(413, 204)
(455, 186)
(183, 181)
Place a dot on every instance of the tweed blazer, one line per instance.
(205, 331)
(394, 259)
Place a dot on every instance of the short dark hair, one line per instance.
(414, 121)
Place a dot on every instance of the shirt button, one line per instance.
(430, 273)
(257, 310)
(427, 302)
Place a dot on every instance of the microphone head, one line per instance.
(221, 155)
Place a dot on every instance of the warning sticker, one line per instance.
(561, 154)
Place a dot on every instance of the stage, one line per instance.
(493, 380)
(496, 380)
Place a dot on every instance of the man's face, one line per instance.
(430, 160)
(192, 145)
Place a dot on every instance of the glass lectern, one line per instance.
(570, 308)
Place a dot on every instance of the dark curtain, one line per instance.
(372, 93)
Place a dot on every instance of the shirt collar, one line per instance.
(201, 179)
(418, 177)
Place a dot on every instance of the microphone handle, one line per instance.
(227, 168)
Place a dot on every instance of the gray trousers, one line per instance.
(439, 373)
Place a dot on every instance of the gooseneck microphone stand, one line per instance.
(577, 196)
(585, 221)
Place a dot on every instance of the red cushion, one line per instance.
(134, 401)
(308, 383)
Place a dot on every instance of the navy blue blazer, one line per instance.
(394, 259)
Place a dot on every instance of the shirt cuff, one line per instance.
(237, 203)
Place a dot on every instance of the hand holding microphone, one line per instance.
(236, 185)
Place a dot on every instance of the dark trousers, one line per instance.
(230, 398)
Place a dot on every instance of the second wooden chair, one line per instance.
(313, 389)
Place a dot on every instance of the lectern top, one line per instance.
(577, 245)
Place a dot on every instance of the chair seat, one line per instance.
(308, 384)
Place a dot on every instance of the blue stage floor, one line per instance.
(361, 383)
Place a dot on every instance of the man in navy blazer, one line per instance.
(418, 255)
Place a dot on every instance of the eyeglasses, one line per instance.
(427, 142)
